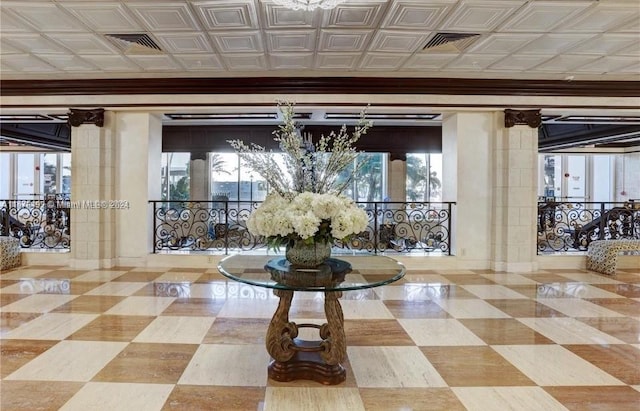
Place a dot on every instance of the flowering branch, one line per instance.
(308, 167)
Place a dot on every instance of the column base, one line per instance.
(307, 366)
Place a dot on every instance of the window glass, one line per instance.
(26, 176)
(66, 173)
(49, 176)
(423, 182)
(602, 178)
(576, 179)
(225, 175)
(5, 176)
(175, 176)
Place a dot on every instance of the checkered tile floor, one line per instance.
(186, 339)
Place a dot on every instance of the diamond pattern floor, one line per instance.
(189, 339)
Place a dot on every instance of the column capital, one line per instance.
(531, 118)
(398, 156)
(198, 155)
(92, 116)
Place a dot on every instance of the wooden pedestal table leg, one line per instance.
(295, 359)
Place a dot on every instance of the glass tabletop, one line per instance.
(341, 273)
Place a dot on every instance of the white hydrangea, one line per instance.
(303, 214)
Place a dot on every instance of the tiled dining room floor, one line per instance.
(188, 339)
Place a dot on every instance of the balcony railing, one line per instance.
(572, 226)
(39, 223)
(220, 226)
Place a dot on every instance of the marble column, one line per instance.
(138, 153)
(199, 177)
(467, 150)
(92, 189)
(515, 192)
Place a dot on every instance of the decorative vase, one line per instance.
(304, 255)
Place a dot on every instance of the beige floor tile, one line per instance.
(176, 330)
(195, 307)
(38, 303)
(409, 292)
(623, 328)
(141, 306)
(507, 398)
(227, 365)
(504, 331)
(100, 276)
(16, 353)
(620, 360)
(215, 290)
(89, 304)
(107, 396)
(311, 398)
(470, 308)
(116, 288)
(39, 285)
(410, 399)
(509, 279)
(51, 326)
(474, 366)
(69, 361)
(443, 332)
(112, 328)
(415, 309)
(424, 279)
(248, 308)
(178, 277)
(11, 321)
(574, 307)
(560, 366)
(591, 278)
(368, 309)
(375, 332)
(583, 290)
(494, 292)
(237, 331)
(200, 397)
(567, 330)
(148, 363)
(392, 367)
(600, 399)
(24, 273)
(34, 395)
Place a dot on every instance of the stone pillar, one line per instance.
(138, 167)
(198, 177)
(397, 177)
(515, 192)
(467, 180)
(92, 189)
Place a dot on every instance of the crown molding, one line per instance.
(321, 85)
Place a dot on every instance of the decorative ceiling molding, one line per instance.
(321, 85)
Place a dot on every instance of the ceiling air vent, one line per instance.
(135, 43)
(455, 42)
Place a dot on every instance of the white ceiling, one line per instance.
(536, 39)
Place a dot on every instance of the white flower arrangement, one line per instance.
(310, 217)
(305, 201)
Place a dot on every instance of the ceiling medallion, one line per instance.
(308, 5)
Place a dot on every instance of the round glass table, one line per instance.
(293, 358)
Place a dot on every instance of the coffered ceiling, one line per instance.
(517, 39)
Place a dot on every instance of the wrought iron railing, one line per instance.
(572, 226)
(42, 222)
(220, 226)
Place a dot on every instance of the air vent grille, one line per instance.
(135, 43)
(451, 41)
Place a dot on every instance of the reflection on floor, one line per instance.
(185, 339)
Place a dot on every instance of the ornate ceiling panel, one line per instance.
(534, 39)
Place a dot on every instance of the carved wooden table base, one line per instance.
(295, 359)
